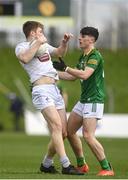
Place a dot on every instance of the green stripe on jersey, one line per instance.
(94, 106)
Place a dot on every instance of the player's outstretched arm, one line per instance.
(81, 74)
(66, 76)
(62, 49)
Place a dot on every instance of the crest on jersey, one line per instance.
(44, 57)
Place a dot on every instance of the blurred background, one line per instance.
(58, 17)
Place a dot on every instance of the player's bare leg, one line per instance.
(74, 123)
(55, 127)
(51, 149)
(89, 127)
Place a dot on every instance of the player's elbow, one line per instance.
(60, 51)
(84, 77)
(73, 78)
(24, 59)
(86, 74)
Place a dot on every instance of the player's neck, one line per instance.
(88, 50)
(30, 38)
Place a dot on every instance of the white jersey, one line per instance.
(38, 66)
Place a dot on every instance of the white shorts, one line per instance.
(89, 110)
(47, 95)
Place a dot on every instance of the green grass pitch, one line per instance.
(20, 157)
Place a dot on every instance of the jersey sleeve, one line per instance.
(93, 61)
(19, 48)
(50, 48)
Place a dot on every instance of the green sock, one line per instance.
(104, 164)
(80, 161)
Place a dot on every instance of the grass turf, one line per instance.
(20, 157)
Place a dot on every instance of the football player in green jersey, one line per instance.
(91, 104)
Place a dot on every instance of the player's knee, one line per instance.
(64, 134)
(70, 135)
(57, 127)
(88, 137)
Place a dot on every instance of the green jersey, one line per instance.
(92, 89)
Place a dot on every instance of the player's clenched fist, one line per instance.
(67, 37)
(41, 38)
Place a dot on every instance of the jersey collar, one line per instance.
(85, 54)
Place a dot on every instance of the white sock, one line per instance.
(47, 162)
(65, 161)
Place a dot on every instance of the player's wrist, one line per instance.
(66, 69)
(37, 42)
(64, 42)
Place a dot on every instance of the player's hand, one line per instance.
(59, 65)
(41, 38)
(67, 37)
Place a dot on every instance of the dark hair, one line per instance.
(31, 25)
(90, 31)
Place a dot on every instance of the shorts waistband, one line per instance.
(44, 80)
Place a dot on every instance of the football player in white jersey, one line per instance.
(35, 57)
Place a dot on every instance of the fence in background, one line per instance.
(112, 125)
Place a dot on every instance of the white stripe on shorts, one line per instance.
(89, 110)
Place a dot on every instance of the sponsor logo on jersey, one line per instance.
(93, 61)
(44, 57)
(86, 112)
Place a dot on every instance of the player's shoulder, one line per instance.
(22, 44)
(95, 54)
(49, 45)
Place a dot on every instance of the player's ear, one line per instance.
(92, 39)
(32, 33)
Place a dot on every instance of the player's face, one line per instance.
(37, 33)
(85, 41)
